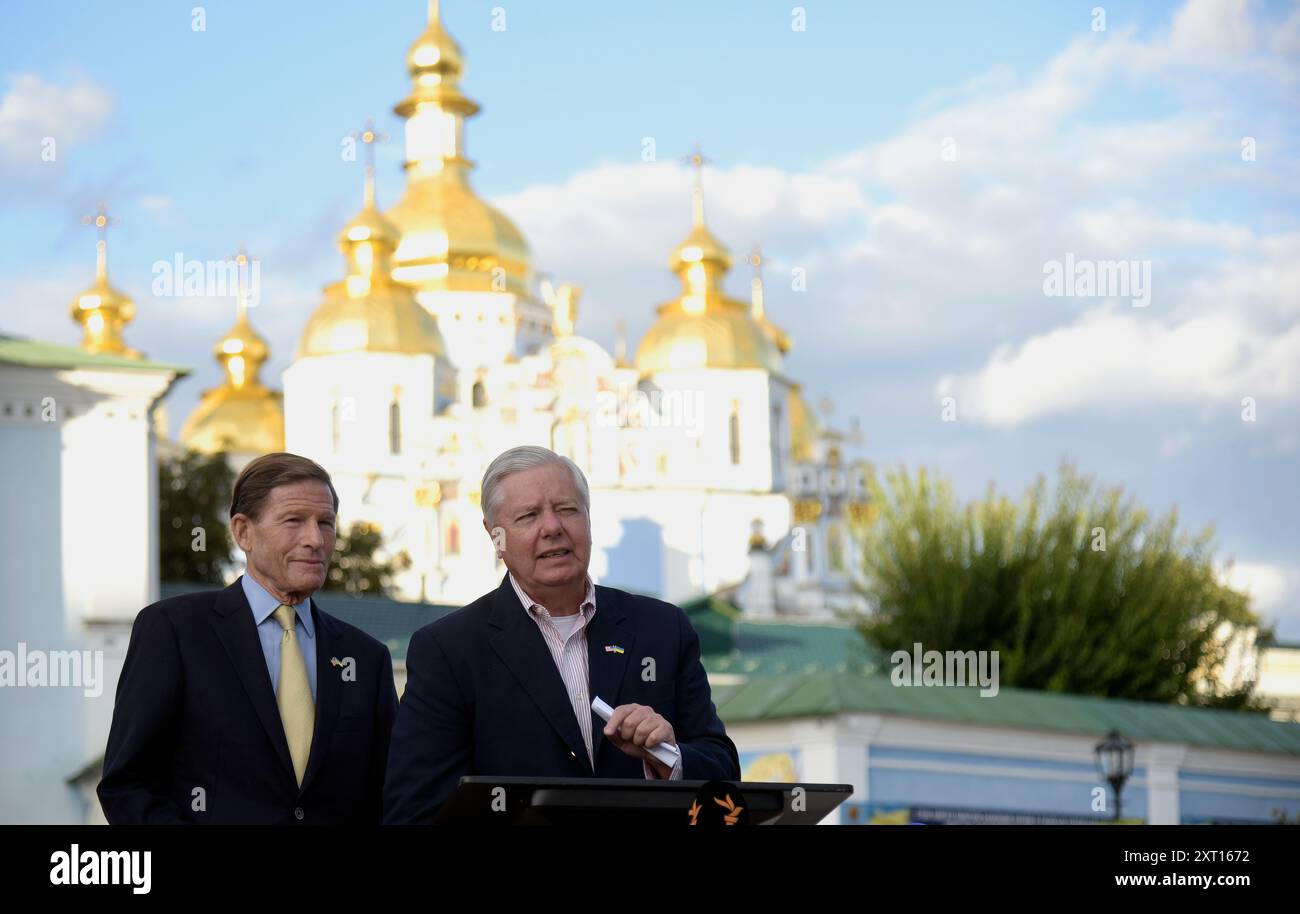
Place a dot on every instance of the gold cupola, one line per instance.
(704, 327)
(450, 239)
(368, 311)
(103, 310)
(241, 415)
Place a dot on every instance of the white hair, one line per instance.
(518, 459)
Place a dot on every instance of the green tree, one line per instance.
(356, 568)
(1085, 593)
(194, 539)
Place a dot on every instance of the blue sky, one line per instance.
(924, 275)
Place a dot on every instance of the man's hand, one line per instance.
(637, 728)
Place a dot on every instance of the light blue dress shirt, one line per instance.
(271, 634)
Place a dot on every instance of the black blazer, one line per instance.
(195, 709)
(483, 697)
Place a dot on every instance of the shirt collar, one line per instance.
(264, 605)
(587, 608)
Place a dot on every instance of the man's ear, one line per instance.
(239, 529)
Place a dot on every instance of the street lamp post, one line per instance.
(1115, 763)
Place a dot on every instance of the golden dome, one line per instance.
(367, 311)
(704, 327)
(103, 310)
(723, 338)
(434, 54)
(450, 237)
(241, 415)
(804, 426)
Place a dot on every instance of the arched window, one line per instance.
(733, 431)
(478, 395)
(453, 538)
(394, 428)
(334, 427)
(778, 439)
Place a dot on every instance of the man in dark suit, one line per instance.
(505, 685)
(251, 704)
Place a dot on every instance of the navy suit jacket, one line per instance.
(196, 709)
(483, 697)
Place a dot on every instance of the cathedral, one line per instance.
(439, 347)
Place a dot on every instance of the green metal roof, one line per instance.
(734, 645)
(827, 693)
(36, 354)
(390, 621)
(775, 648)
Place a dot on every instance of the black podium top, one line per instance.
(487, 800)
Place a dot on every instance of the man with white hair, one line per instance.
(505, 685)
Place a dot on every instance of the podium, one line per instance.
(485, 800)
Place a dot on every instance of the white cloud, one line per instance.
(1219, 29)
(907, 252)
(33, 109)
(1116, 361)
(1268, 585)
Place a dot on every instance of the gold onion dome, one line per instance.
(449, 237)
(103, 310)
(704, 327)
(241, 415)
(367, 311)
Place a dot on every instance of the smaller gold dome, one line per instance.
(704, 327)
(103, 310)
(435, 63)
(236, 420)
(725, 337)
(241, 415)
(367, 311)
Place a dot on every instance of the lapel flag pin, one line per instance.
(334, 661)
(613, 649)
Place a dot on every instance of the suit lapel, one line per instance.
(610, 626)
(238, 636)
(520, 646)
(328, 683)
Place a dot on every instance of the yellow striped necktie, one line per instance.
(297, 710)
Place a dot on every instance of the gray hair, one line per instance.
(518, 459)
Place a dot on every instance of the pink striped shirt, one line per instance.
(570, 655)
